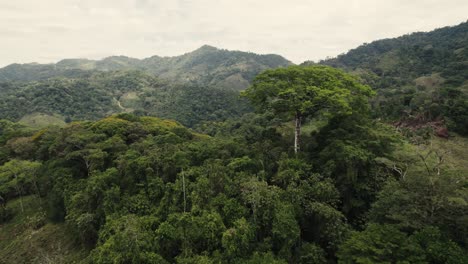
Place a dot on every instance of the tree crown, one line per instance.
(305, 90)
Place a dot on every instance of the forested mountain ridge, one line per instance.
(315, 175)
(420, 77)
(99, 94)
(198, 86)
(421, 82)
(207, 66)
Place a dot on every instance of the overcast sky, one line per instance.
(50, 30)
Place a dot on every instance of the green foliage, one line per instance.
(304, 90)
(98, 95)
(430, 193)
(238, 240)
(301, 92)
(285, 230)
(128, 239)
(139, 189)
(347, 150)
(419, 77)
(386, 244)
(134, 189)
(439, 249)
(312, 253)
(27, 236)
(18, 178)
(380, 244)
(8, 131)
(206, 66)
(264, 258)
(195, 87)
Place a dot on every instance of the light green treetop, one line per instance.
(305, 90)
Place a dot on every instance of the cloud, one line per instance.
(47, 31)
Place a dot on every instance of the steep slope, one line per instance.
(399, 61)
(204, 66)
(420, 77)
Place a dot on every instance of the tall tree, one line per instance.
(301, 92)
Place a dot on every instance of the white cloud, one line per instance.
(47, 31)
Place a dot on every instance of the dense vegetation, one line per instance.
(98, 95)
(206, 66)
(161, 160)
(421, 78)
(195, 87)
(136, 189)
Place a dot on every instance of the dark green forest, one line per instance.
(357, 159)
(421, 78)
(199, 86)
(101, 94)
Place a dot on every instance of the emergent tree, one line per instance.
(302, 92)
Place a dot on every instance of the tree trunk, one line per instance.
(183, 186)
(297, 132)
(18, 190)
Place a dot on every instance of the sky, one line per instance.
(50, 30)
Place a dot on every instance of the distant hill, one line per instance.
(420, 77)
(202, 85)
(204, 66)
(99, 94)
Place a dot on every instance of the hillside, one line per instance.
(206, 66)
(169, 160)
(29, 238)
(202, 85)
(420, 77)
(129, 189)
(99, 94)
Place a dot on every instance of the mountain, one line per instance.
(98, 94)
(125, 186)
(202, 85)
(420, 77)
(204, 66)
